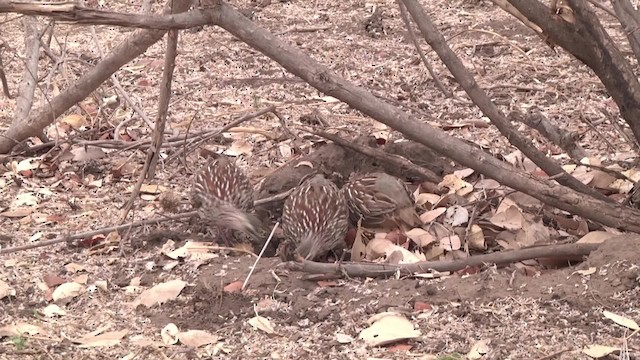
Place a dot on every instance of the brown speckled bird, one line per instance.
(380, 199)
(225, 196)
(315, 218)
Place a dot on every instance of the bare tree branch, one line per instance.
(163, 105)
(127, 50)
(30, 76)
(414, 40)
(480, 98)
(630, 20)
(73, 13)
(589, 42)
(500, 258)
(323, 79)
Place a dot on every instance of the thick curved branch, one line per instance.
(480, 98)
(589, 42)
(323, 79)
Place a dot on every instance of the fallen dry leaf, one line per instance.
(25, 199)
(456, 185)
(358, 249)
(595, 237)
(431, 215)
(76, 121)
(107, 339)
(197, 338)
(599, 351)
(424, 198)
(463, 173)
(83, 153)
(420, 236)
(510, 219)
(344, 338)
(602, 180)
(239, 147)
(67, 291)
(387, 328)
(160, 293)
(262, 323)
(422, 306)
(25, 165)
(532, 233)
(379, 247)
(101, 284)
(456, 215)
(191, 250)
(53, 310)
(285, 151)
(81, 279)
(621, 320)
(152, 189)
(37, 236)
(487, 184)
(433, 253)
(476, 238)
(478, 350)
(450, 243)
(590, 271)
(6, 290)
(18, 212)
(53, 280)
(19, 329)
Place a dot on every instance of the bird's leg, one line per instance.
(226, 236)
(343, 255)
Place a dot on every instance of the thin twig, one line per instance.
(205, 137)
(273, 231)
(633, 143)
(604, 8)
(304, 30)
(555, 354)
(106, 230)
(153, 154)
(283, 124)
(467, 229)
(405, 17)
(600, 135)
(122, 92)
(163, 102)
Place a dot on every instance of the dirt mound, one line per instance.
(555, 308)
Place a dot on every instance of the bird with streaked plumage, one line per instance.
(224, 198)
(380, 200)
(314, 219)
